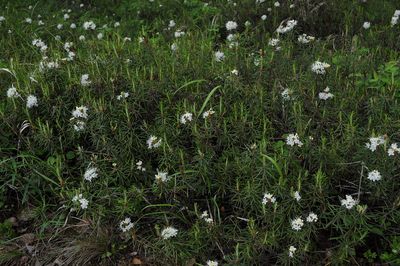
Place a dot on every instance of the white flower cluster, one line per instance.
(393, 149)
(292, 250)
(325, 95)
(395, 18)
(232, 40)
(126, 225)
(89, 25)
(153, 142)
(31, 101)
(312, 218)
(268, 198)
(366, 25)
(212, 263)
(374, 142)
(349, 202)
(179, 33)
(122, 95)
(82, 201)
(297, 223)
(231, 25)
(374, 175)
(91, 173)
(40, 44)
(274, 42)
(219, 56)
(139, 166)
(293, 139)
(186, 117)
(297, 196)
(162, 177)
(206, 217)
(287, 26)
(304, 38)
(12, 92)
(208, 113)
(171, 24)
(319, 67)
(70, 54)
(78, 116)
(174, 47)
(286, 94)
(169, 232)
(85, 81)
(47, 65)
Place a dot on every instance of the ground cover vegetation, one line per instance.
(171, 132)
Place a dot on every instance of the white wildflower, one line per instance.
(82, 201)
(89, 25)
(292, 250)
(349, 202)
(153, 142)
(273, 42)
(208, 113)
(293, 139)
(91, 173)
(304, 38)
(122, 95)
(374, 142)
(12, 92)
(186, 117)
(319, 67)
(80, 112)
(85, 80)
(374, 175)
(297, 196)
(31, 101)
(268, 198)
(212, 263)
(366, 25)
(174, 47)
(162, 176)
(139, 166)
(297, 223)
(79, 125)
(312, 218)
(179, 33)
(286, 27)
(395, 18)
(171, 24)
(231, 25)
(393, 149)
(264, 17)
(325, 95)
(286, 94)
(219, 56)
(126, 225)
(169, 232)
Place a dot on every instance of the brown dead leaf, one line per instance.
(136, 261)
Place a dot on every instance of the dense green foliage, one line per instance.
(223, 163)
